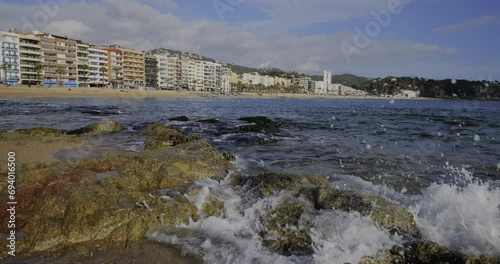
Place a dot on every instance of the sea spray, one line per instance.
(463, 215)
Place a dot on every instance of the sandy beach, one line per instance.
(41, 92)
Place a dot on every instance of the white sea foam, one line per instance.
(463, 215)
(341, 237)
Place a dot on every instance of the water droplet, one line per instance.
(498, 165)
(454, 81)
(392, 101)
(334, 118)
(368, 146)
(439, 134)
(458, 134)
(477, 138)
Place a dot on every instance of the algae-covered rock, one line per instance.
(286, 228)
(40, 131)
(318, 190)
(66, 206)
(206, 200)
(106, 126)
(161, 137)
(260, 124)
(386, 214)
(268, 184)
(180, 119)
(425, 252)
(228, 156)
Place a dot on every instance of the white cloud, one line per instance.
(467, 24)
(71, 26)
(167, 3)
(294, 14)
(138, 25)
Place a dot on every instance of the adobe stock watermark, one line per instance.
(223, 6)
(363, 37)
(40, 19)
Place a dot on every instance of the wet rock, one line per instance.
(260, 124)
(67, 206)
(286, 228)
(180, 119)
(40, 131)
(425, 252)
(209, 121)
(386, 214)
(318, 191)
(269, 184)
(229, 156)
(161, 137)
(206, 200)
(106, 126)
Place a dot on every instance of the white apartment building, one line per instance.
(226, 79)
(162, 69)
(327, 83)
(9, 58)
(82, 61)
(199, 76)
(318, 87)
(212, 73)
(98, 64)
(251, 78)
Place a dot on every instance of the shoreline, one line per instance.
(7, 92)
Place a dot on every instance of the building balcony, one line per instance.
(30, 45)
(9, 48)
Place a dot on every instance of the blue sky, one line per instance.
(428, 38)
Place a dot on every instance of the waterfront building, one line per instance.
(115, 66)
(327, 83)
(9, 58)
(98, 66)
(58, 60)
(152, 70)
(29, 58)
(82, 62)
(174, 73)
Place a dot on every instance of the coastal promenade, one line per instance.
(41, 92)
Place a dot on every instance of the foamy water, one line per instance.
(463, 216)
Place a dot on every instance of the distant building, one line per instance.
(327, 82)
(98, 66)
(9, 58)
(410, 94)
(115, 65)
(151, 71)
(82, 62)
(29, 57)
(319, 87)
(59, 60)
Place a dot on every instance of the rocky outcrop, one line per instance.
(424, 252)
(287, 227)
(162, 137)
(106, 126)
(260, 124)
(312, 194)
(70, 206)
(180, 119)
(40, 131)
